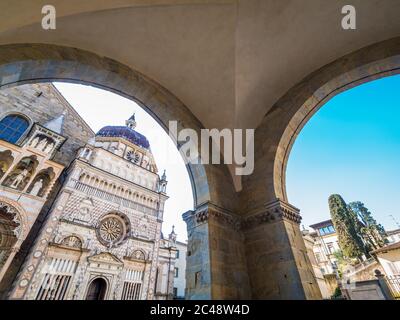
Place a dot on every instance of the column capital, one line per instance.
(209, 211)
(273, 211)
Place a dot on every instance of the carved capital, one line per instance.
(213, 213)
(288, 212)
(272, 212)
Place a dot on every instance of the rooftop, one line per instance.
(322, 224)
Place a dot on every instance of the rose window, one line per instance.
(111, 231)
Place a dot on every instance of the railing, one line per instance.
(394, 285)
(89, 190)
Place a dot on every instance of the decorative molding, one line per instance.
(17, 214)
(44, 140)
(211, 212)
(271, 212)
(72, 241)
(105, 257)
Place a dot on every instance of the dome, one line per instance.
(126, 133)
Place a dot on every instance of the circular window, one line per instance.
(133, 156)
(111, 231)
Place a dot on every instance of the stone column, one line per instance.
(277, 260)
(215, 264)
(154, 263)
(146, 280)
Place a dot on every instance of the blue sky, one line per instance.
(351, 146)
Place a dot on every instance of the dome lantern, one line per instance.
(131, 122)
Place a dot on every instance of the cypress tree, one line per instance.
(343, 221)
(373, 232)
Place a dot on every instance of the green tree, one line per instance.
(343, 220)
(370, 230)
(341, 261)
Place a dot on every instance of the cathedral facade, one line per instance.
(80, 213)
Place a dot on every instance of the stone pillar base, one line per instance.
(216, 265)
(259, 256)
(277, 260)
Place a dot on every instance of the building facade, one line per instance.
(99, 198)
(393, 236)
(322, 282)
(180, 270)
(326, 243)
(389, 259)
(323, 242)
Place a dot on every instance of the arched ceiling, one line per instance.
(227, 60)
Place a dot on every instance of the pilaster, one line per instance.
(25, 279)
(216, 265)
(277, 260)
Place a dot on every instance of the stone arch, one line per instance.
(21, 115)
(41, 182)
(15, 112)
(41, 141)
(138, 254)
(13, 230)
(21, 174)
(292, 111)
(72, 241)
(6, 160)
(105, 288)
(19, 214)
(32, 63)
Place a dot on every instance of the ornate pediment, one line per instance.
(105, 257)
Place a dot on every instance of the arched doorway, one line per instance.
(97, 289)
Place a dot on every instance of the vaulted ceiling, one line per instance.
(228, 61)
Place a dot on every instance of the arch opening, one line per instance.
(102, 74)
(10, 226)
(21, 174)
(38, 63)
(6, 160)
(351, 140)
(292, 111)
(97, 289)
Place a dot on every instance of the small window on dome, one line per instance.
(133, 156)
